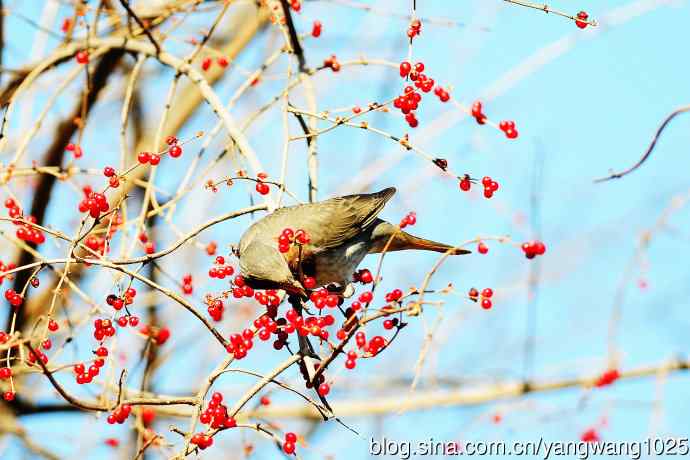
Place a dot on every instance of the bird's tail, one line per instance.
(403, 240)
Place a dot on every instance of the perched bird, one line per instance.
(342, 231)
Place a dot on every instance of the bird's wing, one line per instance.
(332, 222)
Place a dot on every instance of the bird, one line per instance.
(341, 231)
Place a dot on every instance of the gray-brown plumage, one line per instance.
(342, 232)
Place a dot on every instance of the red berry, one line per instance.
(82, 57)
(309, 282)
(486, 304)
(289, 447)
(175, 151)
(316, 29)
(405, 68)
(324, 389)
(488, 292)
(582, 15)
(143, 157)
(482, 248)
(262, 188)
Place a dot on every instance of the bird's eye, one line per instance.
(236, 251)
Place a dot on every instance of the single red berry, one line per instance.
(175, 151)
(405, 68)
(486, 304)
(289, 447)
(143, 157)
(487, 292)
(482, 248)
(324, 389)
(82, 57)
(316, 29)
(309, 282)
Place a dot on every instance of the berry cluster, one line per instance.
(240, 344)
(351, 360)
(323, 298)
(14, 298)
(94, 203)
(607, 378)
(8, 267)
(75, 149)
(394, 295)
(160, 335)
(131, 320)
(289, 444)
(84, 375)
(241, 289)
(103, 328)
(38, 354)
(408, 102)
(508, 127)
(25, 232)
(477, 112)
(220, 270)
(207, 61)
(533, 249)
(216, 309)
(96, 243)
(414, 29)
(332, 63)
(583, 16)
(373, 347)
(409, 219)
(490, 186)
(202, 440)
(442, 94)
(149, 247)
(486, 295)
(289, 237)
(118, 302)
(312, 325)
(216, 413)
(120, 414)
(261, 186)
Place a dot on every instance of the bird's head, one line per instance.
(263, 267)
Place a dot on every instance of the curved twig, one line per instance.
(648, 153)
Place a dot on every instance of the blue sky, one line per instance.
(592, 103)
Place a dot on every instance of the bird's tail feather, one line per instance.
(403, 241)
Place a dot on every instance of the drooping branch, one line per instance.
(649, 150)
